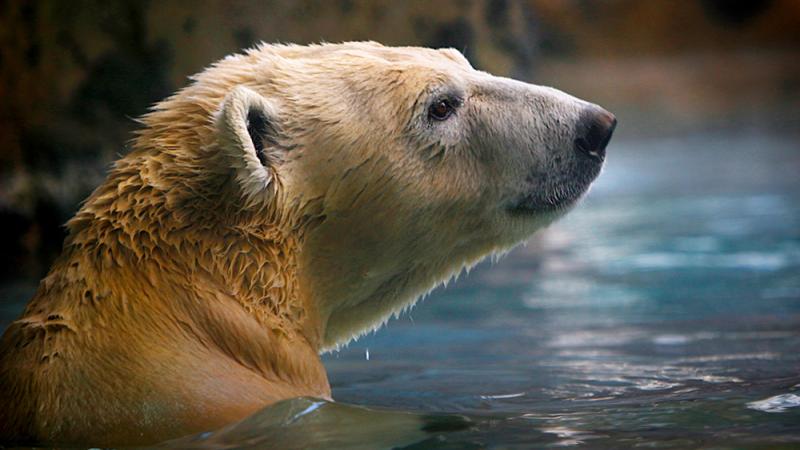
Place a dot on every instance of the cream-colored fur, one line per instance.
(288, 200)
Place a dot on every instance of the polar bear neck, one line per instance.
(166, 209)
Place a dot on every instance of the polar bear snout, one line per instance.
(594, 129)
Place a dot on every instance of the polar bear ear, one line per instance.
(248, 130)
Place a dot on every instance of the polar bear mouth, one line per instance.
(533, 204)
(554, 193)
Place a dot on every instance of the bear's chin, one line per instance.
(535, 206)
(552, 202)
(555, 193)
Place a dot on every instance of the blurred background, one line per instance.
(74, 74)
(664, 311)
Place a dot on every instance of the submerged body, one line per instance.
(289, 200)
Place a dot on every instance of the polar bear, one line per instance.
(287, 201)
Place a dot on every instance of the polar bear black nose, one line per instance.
(593, 131)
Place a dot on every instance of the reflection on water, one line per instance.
(663, 312)
(776, 404)
(309, 423)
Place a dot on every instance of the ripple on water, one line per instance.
(570, 437)
(756, 261)
(567, 291)
(655, 385)
(502, 396)
(776, 404)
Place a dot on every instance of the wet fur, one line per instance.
(201, 280)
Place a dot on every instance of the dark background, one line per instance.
(75, 74)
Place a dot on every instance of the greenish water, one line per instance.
(664, 312)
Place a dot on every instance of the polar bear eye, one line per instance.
(440, 109)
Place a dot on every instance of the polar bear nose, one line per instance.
(594, 129)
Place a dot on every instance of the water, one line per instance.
(663, 312)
